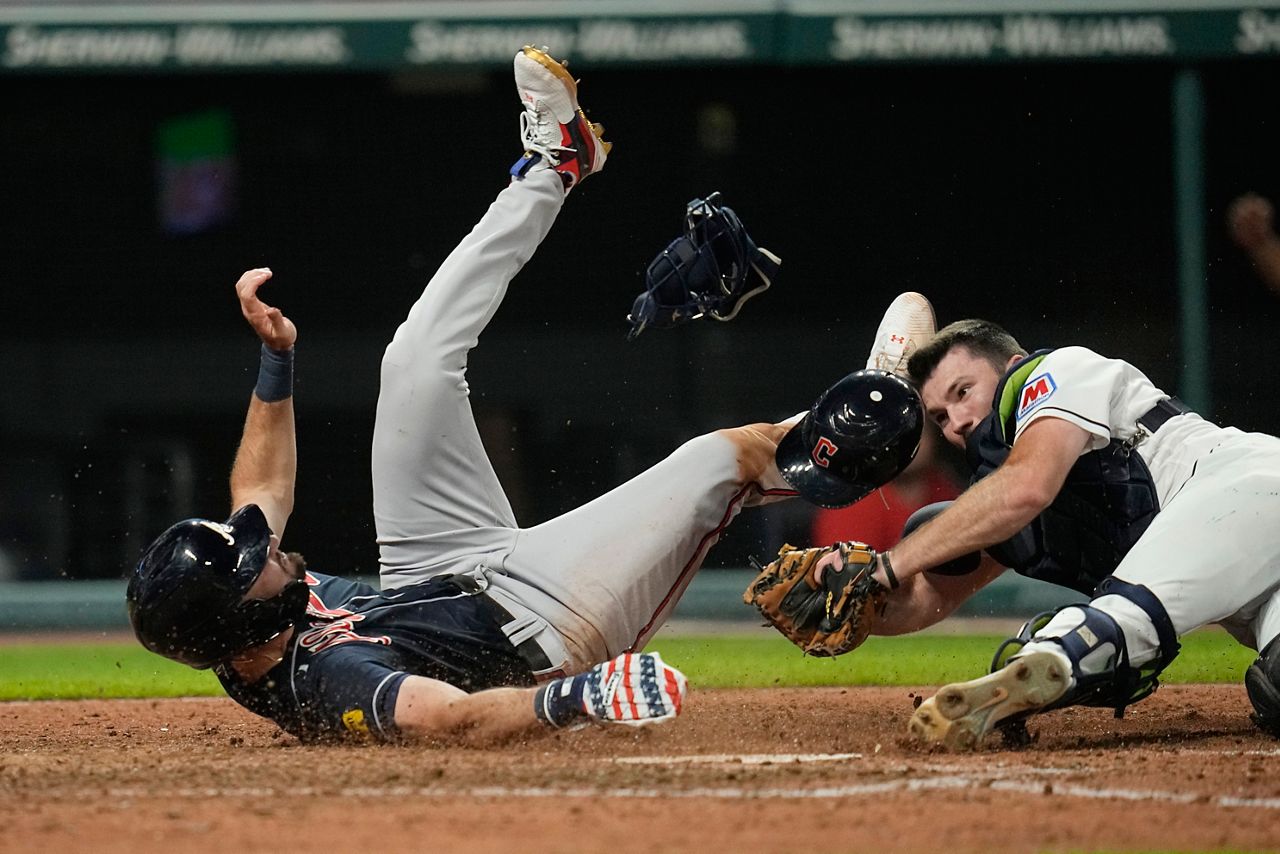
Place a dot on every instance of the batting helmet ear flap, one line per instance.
(859, 435)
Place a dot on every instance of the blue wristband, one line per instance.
(275, 375)
(559, 702)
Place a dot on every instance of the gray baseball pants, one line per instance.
(588, 585)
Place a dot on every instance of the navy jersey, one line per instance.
(342, 670)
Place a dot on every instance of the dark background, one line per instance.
(1037, 196)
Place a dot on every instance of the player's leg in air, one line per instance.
(599, 580)
(436, 498)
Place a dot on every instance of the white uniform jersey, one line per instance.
(1106, 397)
(1212, 553)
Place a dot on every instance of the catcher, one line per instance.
(1085, 475)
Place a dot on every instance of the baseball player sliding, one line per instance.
(1085, 474)
(482, 629)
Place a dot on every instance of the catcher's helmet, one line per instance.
(186, 596)
(713, 269)
(859, 435)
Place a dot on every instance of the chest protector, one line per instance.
(1108, 500)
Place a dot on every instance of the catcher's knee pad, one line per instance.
(1262, 680)
(1101, 672)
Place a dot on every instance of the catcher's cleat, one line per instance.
(959, 715)
(553, 127)
(907, 326)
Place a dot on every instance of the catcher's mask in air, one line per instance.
(859, 435)
(711, 270)
(186, 596)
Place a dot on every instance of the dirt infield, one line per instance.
(759, 770)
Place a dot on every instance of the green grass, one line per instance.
(761, 660)
(74, 671)
(43, 672)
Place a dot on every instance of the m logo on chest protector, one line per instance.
(1036, 391)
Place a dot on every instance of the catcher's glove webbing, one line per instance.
(827, 617)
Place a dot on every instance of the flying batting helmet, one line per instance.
(186, 596)
(859, 435)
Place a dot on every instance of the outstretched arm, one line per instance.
(437, 711)
(929, 598)
(266, 462)
(998, 506)
(632, 689)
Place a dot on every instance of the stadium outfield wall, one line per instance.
(317, 36)
(715, 595)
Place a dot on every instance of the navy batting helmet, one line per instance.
(186, 596)
(711, 270)
(859, 435)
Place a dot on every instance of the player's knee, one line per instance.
(1101, 669)
(396, 361)
(754, 445)
(398, 353)
(1094, 645)
(407, 370)
(1262, 681)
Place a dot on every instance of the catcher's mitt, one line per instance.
(826, 618)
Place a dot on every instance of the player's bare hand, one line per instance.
(275, 330)
(832, 560)
(1250, 220)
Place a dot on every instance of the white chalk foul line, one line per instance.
(736, 759)
(992, 771)
(716, 792)
(1000, 776)
(1140, 795)
(1204, 752)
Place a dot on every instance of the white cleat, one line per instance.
(960, 715)
(907, 326)
(553, 126)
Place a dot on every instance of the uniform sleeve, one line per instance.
(355, 694)
(1076, 385)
